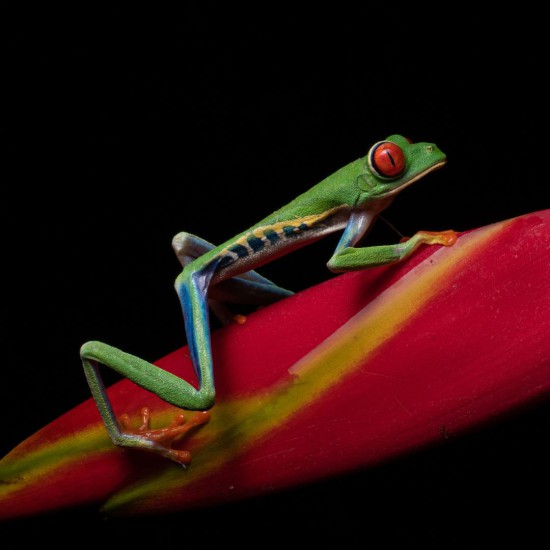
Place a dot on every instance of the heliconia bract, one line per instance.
(349, 373)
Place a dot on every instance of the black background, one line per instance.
(121, 129)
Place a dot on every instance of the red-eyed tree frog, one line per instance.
(350, 200)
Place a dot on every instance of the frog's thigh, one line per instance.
(239, 290)
(247, 288)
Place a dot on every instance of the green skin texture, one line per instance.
(348, 200)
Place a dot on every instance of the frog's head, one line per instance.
(395, 163)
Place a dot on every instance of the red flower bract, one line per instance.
(342, 376)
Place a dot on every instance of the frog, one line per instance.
(212, 278)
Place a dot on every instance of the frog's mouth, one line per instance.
(420, 175)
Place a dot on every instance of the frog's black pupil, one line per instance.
(391, 158)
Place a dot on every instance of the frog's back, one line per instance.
(322, 209)
(337, 190)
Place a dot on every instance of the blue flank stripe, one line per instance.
(289, 230)
(255, 243)
(271, 236)
(240, 250)
(225, 261)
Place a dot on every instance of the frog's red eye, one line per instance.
(387, 159)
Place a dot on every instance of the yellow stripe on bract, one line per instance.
(19, 471)
(349, 347)
(241, 424)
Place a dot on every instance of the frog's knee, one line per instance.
(189, 247)
(181, 242)
(89, 350)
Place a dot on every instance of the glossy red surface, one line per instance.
(476, 349)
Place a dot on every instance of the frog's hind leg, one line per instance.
(189, 247)
(248, 288)
(167, 386)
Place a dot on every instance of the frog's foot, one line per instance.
(446, 238)
(163, 438)
(224, 314)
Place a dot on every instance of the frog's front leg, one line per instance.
(349, 258)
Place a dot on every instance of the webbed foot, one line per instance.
(162, 439)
